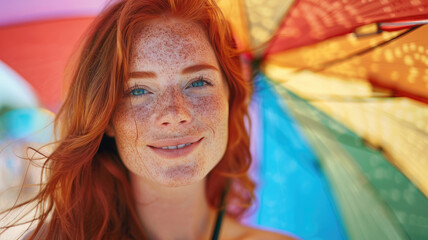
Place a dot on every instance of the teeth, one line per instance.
(181, 145)
(177, 147)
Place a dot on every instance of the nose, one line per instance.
(173, 110)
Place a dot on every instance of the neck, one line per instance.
(173, 212)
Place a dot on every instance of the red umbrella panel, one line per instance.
(38, 51)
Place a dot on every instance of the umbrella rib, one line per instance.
(359, 53)
(406, 23)
(329, 98)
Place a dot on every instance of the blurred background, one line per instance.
(339, 114)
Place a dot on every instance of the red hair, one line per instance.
(87, 194)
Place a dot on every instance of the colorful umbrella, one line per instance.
(340, 71)
(339, 112)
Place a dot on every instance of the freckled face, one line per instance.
(176, 95)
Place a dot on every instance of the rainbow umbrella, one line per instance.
(339, 112)
(341, 89)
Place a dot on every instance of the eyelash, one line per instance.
(199, 79)
(132, 93)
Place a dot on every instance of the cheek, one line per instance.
(131, 116)
(210, 110)
(129, 124)
(130, 121)
(214, 115)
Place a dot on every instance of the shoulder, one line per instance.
(235, 230)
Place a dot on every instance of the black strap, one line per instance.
(221, 212)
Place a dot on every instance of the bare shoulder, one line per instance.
(235, 230)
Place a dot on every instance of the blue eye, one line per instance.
(198, 83)
(138, 92)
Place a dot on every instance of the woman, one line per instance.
(152, 142)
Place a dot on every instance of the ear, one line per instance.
(110, 130)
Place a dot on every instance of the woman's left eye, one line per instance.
(199, 83)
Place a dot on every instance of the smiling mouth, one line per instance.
(174, 148)
(175, 143)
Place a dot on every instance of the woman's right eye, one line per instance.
(138, 91)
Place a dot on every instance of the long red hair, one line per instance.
(87, 194)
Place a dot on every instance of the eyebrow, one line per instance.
(187, 70)
(197, 68)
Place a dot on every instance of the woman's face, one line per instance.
(171, 126)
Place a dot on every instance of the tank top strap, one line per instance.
(221, 212)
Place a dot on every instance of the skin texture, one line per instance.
(171, 107)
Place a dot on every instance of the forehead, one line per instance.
(170, 42)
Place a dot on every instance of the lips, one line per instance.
(173, 148)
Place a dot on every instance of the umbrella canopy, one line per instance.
(339, 113)
(348, 72)
(39, 51)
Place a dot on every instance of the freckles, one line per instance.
(129, 116)
(211, 108)
(143, 112)
(120, 120)
(170, 45)
(183, 172)
(129, 128)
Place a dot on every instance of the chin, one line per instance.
(181, 176)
